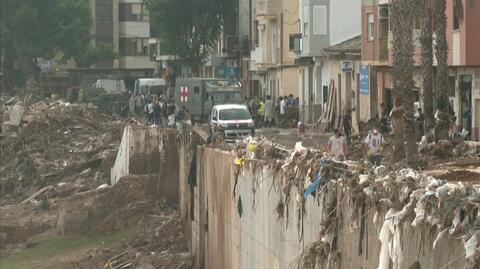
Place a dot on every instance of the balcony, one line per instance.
(260, 60)
(263, 10)
(257, 55)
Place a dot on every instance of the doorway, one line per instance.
(388, 100)
(466, 103)
(476, 133)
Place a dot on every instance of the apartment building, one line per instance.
(124, 25)
(322, 23)
(272, 64)
(463, 60)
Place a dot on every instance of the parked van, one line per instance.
(199, 95)
(235, 120)
(150, 86)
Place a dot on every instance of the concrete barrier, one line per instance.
(244, 229)
(149, 151)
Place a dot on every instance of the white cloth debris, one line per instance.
(103, 186)
(390, 236)
(471, 248)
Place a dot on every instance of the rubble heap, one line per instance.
(57, 141)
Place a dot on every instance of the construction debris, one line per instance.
(56, 142)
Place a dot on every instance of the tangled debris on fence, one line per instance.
(399, 196)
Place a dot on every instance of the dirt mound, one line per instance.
(133, 204)
(58, 142)
(130, 201)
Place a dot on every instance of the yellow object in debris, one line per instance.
(252, 146)
(240, 162)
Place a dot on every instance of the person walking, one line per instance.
(374, 146)
(347, 125)
(164, 113)
(269, 112)
(260, 113)
(283, 110)
(156, 113)
(420, 119)
(337, 146)
(149, 110)
(131, 106)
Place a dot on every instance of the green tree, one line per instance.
(190, 28)
(32, 29)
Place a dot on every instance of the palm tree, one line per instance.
(403, 12)
(441, 48)
(426, 40)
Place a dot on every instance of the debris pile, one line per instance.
(398, 196)
(56, 142)
(449, 149)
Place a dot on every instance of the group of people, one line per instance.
(160, 112)
(263, 111)
(157, 110)
(337, 146)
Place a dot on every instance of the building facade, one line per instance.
(272, 64)
(322, 23)
(463, 60)
(124, 25)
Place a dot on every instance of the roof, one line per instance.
(230, 106)
(349, 46)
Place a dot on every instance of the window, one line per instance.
(325, 94)
(370, 27)
(305, 18)
(456, 19)
(255, 33)
(305, 28)
(103, 13)
(319, 20)
(294, 42)
(131, 12)
(133, 46)
(196, 90)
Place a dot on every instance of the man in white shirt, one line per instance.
(374, 144)
(283, 106)
(337, 146)
(150, 113)
(269, 111)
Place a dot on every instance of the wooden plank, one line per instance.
(33, 196)
(204, 135)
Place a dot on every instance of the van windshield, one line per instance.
(152, 89)
(234, 114)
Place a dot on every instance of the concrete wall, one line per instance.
(149, 151)
(221, 237)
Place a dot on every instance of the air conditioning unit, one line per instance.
(383, 12)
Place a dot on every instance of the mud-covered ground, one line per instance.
(56, 208)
